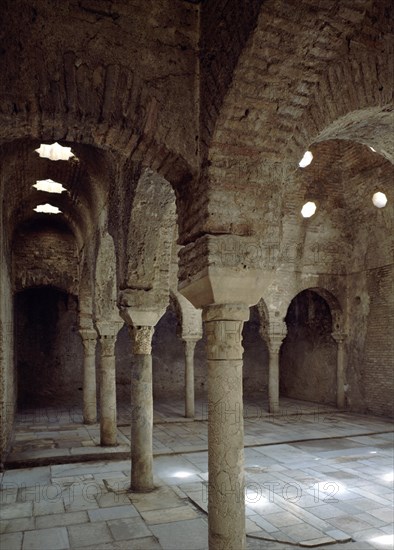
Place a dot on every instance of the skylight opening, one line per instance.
(308, 209)
(49, 186)
(306, 159)
(379, 200)
(47, 209)
(54, 151)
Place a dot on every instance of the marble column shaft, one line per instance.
(226, 486)
(108, 420)
(89, 341)
(340, 337)
(142, 410)
(189, 378)
(273, 372)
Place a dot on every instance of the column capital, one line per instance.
(275, 342)
(339, 336)
(226, 312)
(108, 328)
(89, 340)
(193, 339)
(108, 344)
(142, 339)
(223, 324)
(88, 333)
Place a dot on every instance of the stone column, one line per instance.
(108, 428)
(226, 499)
(89, 341)
(275, 343)
(340, 338)
(189, 377)
(142, 410)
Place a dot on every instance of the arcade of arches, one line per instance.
(179, 248)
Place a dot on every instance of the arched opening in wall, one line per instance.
(123, 357)
(48, 349)
(308, 356)
(169, 361)
(255, 358)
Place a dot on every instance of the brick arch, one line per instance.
(107, 107)
(333, 302)
(361, 104)
(290, 51)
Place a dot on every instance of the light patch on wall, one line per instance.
(49, 186)
(308, 209)
(306, 159)
(372, 149)
(54, 151)
(47, 209)
(379, 200)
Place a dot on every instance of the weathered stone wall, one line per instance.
(370, 292)
(106, 73)
(49, 354)
(169, 361)
(7, 384)
(45, 257)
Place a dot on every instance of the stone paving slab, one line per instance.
(46, 539)
(286, 500)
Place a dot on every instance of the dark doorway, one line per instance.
(48, 348)
(309, 354)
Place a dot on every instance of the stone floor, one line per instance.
(315, 477)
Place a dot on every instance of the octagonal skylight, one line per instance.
(379, 199)
(49, 186)
(306, 159)
(308, 209)
(47, 209)
(54, 151)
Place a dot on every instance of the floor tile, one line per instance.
(46, 539)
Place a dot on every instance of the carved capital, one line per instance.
(142, 339)
(107, 345)
(339, 337)
(89, 340)
(223, 324)
(189, 345)
(275, 341)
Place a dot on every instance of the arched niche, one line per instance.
(308, 357)
(255, 356)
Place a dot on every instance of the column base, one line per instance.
(134, 489)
